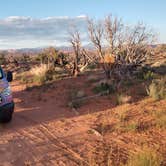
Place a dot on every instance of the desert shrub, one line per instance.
(48, 56)
(75, 104)
(92, 66)
(131, 127)
(105, 126)
(122, 99)
(145, 74)
(122, 115)
(49, 75)
(39, 70)
(104, 87)
(2, 59)
(39, 73)
(39, 79)
(148, 75)
(128, 83)
(160, 69)
(157, 89)
(161, 122)
(75, 98)
(23, 78)
(160, 116)
(146, 157)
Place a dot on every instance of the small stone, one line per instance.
(19, 145)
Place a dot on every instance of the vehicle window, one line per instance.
(1, 74)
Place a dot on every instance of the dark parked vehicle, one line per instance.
(6, 99)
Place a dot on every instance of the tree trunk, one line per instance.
(75, 69)
(107, 73)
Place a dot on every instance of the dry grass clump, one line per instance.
(42, 74)
(39, 70)
(122, 99)
(130, 127)
(146, 157)
(157, 89)
(105, 127)
(108, 154)
(39, 73)
(160, 117)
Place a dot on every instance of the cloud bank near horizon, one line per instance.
(26, 32)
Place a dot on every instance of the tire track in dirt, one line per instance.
(41, 138)
(36, 141)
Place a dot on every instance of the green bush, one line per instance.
(157, 89)
(148, 75)
(92, 66)
(104, 87)
(145, 74)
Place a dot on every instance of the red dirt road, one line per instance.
(44, 131)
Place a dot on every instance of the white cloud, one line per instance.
(17, 18)
(82, 16)
(23, 32)
(54, 18)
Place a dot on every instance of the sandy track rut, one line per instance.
(36, 146)
(29, 141)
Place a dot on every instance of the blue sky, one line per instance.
(151, 12)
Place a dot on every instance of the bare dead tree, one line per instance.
(113, 33)
(135, 50)
(84, 61)
(96, 33)
(80, 61)
(75, 41)
(126, 49)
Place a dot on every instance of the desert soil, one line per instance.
(46, 132)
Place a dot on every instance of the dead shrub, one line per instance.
(157, 89)
(122, 99)
(75, 97)
(104, 128)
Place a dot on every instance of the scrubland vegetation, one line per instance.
(127, 72)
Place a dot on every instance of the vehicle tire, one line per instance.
(6, 118)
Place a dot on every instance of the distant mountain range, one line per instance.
(39, 49)
(60, 48)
